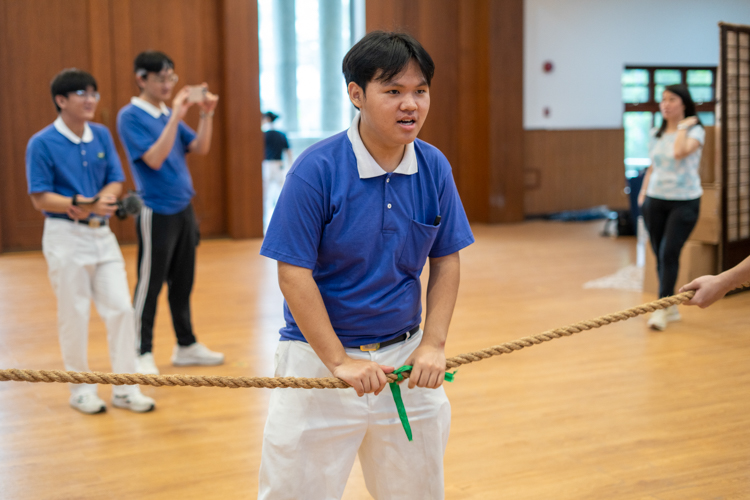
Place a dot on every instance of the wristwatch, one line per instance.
(75, 200)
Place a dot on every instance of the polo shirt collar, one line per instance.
(60, 126)
(150, 108)
(366, 164)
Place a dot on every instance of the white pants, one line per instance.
(274, 175)
(86, 263)
(313, 435)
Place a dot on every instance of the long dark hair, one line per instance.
(683, 93)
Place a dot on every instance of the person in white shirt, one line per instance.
(671, 191)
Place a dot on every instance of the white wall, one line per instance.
(590, 41)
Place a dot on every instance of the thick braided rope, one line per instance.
(51, 376)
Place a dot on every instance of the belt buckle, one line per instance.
(370, 347)
(95, 222)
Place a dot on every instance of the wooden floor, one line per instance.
(616, 413)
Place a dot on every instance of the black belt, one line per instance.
(94, 222)
(380, 345)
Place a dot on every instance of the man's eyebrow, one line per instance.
(391, 83)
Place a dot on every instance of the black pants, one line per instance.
(669, 224)
(166, 252)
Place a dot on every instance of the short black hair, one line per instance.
(383, 55)
(70, 80)
(151, 61)
(271, 116)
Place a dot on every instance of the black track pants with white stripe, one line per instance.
(166, 252)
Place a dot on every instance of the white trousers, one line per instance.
(312, 436)
(85, 263)
(274, 175)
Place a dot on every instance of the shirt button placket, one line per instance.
(388, 205)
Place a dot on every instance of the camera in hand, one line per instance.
(129, 205)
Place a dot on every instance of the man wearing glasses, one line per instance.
(156, 141)
(74, 177)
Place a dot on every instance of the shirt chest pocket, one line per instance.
(417, 247)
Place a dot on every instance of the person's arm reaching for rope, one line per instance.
(709, 289)
(306, 304)
(428, 360)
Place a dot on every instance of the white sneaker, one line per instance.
(145, 364)
(673, 314)
(136, 402)
(88, 403)
(658, 320)
(196, 354)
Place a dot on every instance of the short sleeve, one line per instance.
(455, 231)
(187, 135)
(134, 135)
(114, 166)
(294, 233)
(40, 169)
(286, 141)
(698, 133)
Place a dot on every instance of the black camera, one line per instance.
(129, 205)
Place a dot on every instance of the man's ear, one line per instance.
(61, 101)
(140, 81)
(356, 95)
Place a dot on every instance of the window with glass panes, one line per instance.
(642, 88)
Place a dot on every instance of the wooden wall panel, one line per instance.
(209, 41)
(39, 39)
(709, 166)
(506, 111)
(439, 33)
(189, 31)
(573, 170)
(243, 139)
(476, 113)
(473, 172)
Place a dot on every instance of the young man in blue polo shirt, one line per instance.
(359, 215)
(156, 141)
(74, 177)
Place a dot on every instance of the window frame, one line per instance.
(653, 106)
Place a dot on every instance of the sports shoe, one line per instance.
(136, 402)
(145, 364)
(88, 403)
(673, 314)
(658, 320)
(196, 354)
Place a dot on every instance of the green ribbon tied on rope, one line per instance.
(396, 391)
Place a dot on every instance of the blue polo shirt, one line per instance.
(167, 190)
(58, 161)
(366, 234)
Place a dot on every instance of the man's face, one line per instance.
(79, 105)
(393, 112)
(158, 86)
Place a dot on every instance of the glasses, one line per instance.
(85, 94)
(166, 79)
